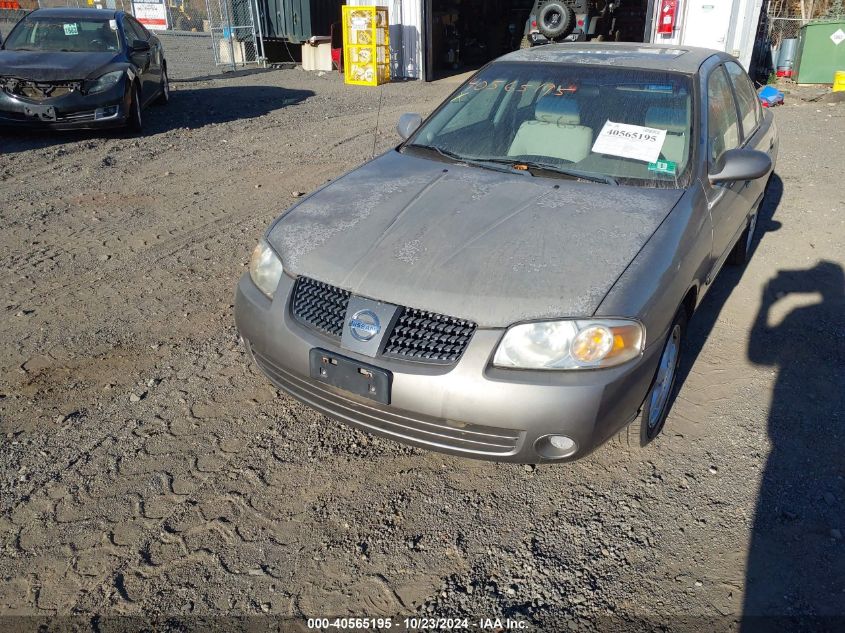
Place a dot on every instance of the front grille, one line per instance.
(430, 337)
(468, 439)
(417, 335)
(38, 91)
(320, 306)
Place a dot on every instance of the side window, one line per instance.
(746, 98)
(133, 30)
(722, 123)
(141, 28)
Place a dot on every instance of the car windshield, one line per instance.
(616, 125)
(75, 35)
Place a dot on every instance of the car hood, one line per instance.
(52, 66)
(492, 247)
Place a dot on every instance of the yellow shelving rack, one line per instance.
(366, 45)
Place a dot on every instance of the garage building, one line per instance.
(433, 38)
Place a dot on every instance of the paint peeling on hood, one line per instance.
(482, 245)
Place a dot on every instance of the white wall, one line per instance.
(725, 25)
(747, 19)
(406, 50)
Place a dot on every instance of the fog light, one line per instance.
(555, 446)
(562, 443)
(105, 113)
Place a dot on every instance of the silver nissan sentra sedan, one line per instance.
(513, 282)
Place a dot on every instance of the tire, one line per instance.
(741, 252)
(135, 121)
(661, 394)
(164, 95)
(556, 20)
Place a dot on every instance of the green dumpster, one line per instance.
(821, 52)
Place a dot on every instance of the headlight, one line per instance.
(105, 82)
(570, 344)
(265, 268)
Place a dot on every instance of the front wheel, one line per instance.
(658, 402)
(741, 252)
(135, 121)
(164, 89)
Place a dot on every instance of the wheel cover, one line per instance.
(665, 378)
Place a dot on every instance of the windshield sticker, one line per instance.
(630, 141)
(71, 29)
(548, 88)
(664, 167)
(113, 25)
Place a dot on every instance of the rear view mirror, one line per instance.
(140, 46)
(740, 164)
(408, 124)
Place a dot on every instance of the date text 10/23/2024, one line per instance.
(416, 624)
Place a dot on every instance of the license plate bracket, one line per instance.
(350, 375)
(45, 113)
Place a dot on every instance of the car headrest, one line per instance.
(671, 119)
(557, 110)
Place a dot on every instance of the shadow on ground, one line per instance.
(188, 108)
(797, 553)
(794, 577)
(224, 74)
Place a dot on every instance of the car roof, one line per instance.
(74, 12)
(666, 57)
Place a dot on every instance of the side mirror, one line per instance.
(740, 164)
(408, 124)
(140, 46)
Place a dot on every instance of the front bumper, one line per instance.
(471, 408)
(73, 110)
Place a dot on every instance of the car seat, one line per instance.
(673, 120)
(556, 131)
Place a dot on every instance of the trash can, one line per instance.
(786, 57)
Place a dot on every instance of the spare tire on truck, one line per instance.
(556, 20)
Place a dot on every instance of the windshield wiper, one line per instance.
(443, 152)
(476, 162)
(534, 165)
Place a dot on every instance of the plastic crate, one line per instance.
(366, 45)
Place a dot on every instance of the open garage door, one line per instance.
(461, 35)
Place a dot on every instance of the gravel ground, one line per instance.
(148, 469)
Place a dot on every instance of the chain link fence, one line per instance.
(779, 28)
(201, 38)
(786, 17)
(232, 26)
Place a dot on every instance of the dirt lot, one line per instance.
(147, 469)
